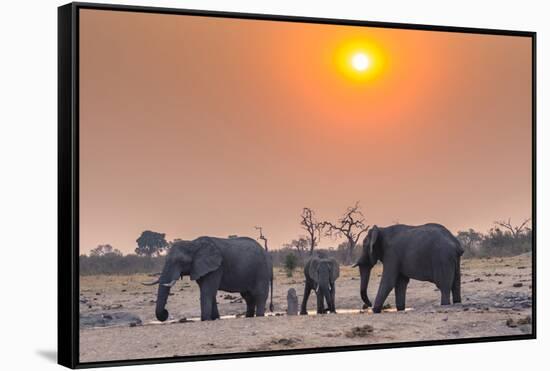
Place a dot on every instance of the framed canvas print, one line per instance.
(242, 185)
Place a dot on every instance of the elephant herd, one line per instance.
(427, 253)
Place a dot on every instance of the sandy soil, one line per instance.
(496, 295)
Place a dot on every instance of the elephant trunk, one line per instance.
(166, 280)
(324, 291)
(365, 276)
(163, 292)
(162, 297)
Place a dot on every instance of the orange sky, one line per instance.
(207, 126)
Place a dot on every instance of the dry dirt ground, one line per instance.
(118, 323)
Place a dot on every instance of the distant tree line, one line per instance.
(148, 258)
(119, 264)
(504, 239)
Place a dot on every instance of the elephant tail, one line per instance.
(271, 299)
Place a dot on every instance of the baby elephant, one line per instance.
(320, 275)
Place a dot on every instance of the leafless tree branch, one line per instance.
(312, 227)
(515, 230)
(262, 237)
(351, 225)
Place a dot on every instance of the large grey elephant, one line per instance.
(234, 265)
(427, 252)
(321, 274)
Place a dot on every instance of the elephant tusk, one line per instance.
(355, 265)
(169, 284)
(150, 283)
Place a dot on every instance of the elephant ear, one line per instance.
(371, 248)
(314, 269)
(207, 258)
(334, 270)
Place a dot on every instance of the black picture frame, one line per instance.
(68, 180)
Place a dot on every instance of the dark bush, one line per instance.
(291, 262)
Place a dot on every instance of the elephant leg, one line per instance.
(250, 303)
(215, 313)
(333, 297)
(445, 296)
(456, 294)
(456, 285)
(387, 283)
(444, 279)
(260, 304)
(445, 289)
(208, 289)
(307, 291)
(400, 292)
(206, 306)
(320, 302)
(261, 293)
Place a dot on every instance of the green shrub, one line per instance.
(291, 262)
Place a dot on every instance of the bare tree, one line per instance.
(313, 228)
(262, 237)
(301, 245)
(515, 230)
(350, 226)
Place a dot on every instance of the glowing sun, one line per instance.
(360, 61)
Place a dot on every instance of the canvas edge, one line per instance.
(68, 316)
(67, 218)
(301, 19)
(534, 182)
